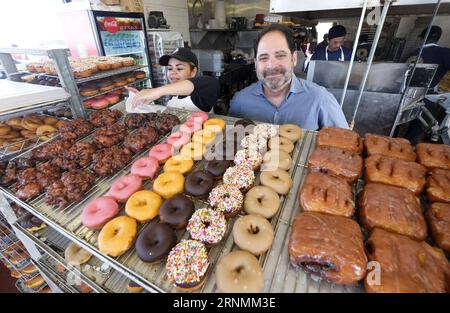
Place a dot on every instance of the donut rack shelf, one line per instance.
(109, 73)
(115, 88)
(279, 274)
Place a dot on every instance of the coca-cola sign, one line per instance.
(110, 24)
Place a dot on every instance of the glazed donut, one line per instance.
(15, 123)
(278, 180)
(190, 127)
(34, 282)
(31, 123)
(250, 158)
(27, 133)
(4, 129)
(45, 130)
(75, 255)
(238, 272)
(204, 136)
(145, 167)
(262, 200)
(207, 226)
(143, 205)
(133, 287)
(291, 132)
(187, 264)
(216, 125)
(29, 269)
(155, 242)
(140, 74)
(128, 61)
(99, 211)
(240, 176)
(274, 159)
(199, 117)
(217, 167)
(281, 143)
(227, 199)
(253, 233)
(198, 184)
(124, 187)
(161, 152)
(178, 163)
(107, 85)
(178, 139)
(100, 103)
(117, 236)
(176, 211)
(169, 184)
(193, 151)
(11, 135)
(50, 120)
(88, 91)
(15, 274)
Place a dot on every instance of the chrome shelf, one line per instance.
(115, 88)
(109, 73)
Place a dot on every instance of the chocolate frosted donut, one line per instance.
(217, 167)
(176, 211)
(155, 242)
(199, 184)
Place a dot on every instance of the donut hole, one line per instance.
(253, 229)
(260, 200)
(239, 269)
(206, 224)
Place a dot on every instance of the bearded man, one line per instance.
(279, 97)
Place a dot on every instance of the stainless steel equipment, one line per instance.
(210, 61)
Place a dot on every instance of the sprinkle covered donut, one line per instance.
(227, 199)
(266, 130)
(207, 226)
(250, 158)
(240, 176)
(254, 142)
(187, 264)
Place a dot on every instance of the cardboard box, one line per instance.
(111, 2)
(132, 5)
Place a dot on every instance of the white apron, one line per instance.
(183, 103)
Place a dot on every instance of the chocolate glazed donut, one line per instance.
(199, 184)
(217, 167)
(176, 211)
(155, 242)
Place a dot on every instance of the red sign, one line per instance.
(111, 24)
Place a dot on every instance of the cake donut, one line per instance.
(117, 236)
(161, 152)
(278, 180)
(204, 136)
(99, 211)
(291, 132)
(216, 125)
(145, 167)
(207, 226)
(190, 127)
(199, 117)
(187, 265)
(124, 187)
(253, 233)
(250, 158)
(155, 242)
(178, 139)
(198, 184)
(217, 167)
(227, 199)
(274, 159)
(143, 205)
(75, 255)
(176, 211)
(169, 184)
(240, 176)
(262, 200)
(193, 151)
(238, 272)
(178, 163)
(281, 143)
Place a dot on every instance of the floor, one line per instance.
(7, 283)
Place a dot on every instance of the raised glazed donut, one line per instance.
(278, 180)
(227, 199)
(262, 200)
(145, 167)
(239, 271)
(190, 127)
(99, 211)
(216, 125)
(169, 184)
(155, 242)
(199, 117)
(178, 163)
(281, 143)
(75, 255)
(176, 211)
(204, 136)
(291, 132)
(253, 233)
(198, 184)
(143, 205)
(161, 152)
(193, 151)
(124, 187)
(207, 226)
(178, 139)
(274, 159)
(117, 236)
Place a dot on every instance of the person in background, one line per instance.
(334, 51)
(279, 97)
(188, 91)
(323, 44)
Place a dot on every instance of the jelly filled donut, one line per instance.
(253, 233)
(155, 242)
(199, 117)
(161, 152)
(169, 184)
(99, 211)
(227, 199)
(178, 163)
(124, 187)
(178, 139)
(239, 271)
(187, 264)
(117, 236)
(198, 184)
(262, 200)
(145, 167)
(207, 226)
(217, 167)
(176, 211)
(143, 205)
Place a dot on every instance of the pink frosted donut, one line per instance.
(124, 187)
(99, 211)
(145, 167)
(191, 127)
(161, 152)
(198, 117)
(178, 139)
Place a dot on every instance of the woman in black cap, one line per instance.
(188, 91)
(334, 51)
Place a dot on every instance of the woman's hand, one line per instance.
(144, 96)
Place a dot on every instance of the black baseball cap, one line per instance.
(336, 31)
(182, 54)
(435, 33)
